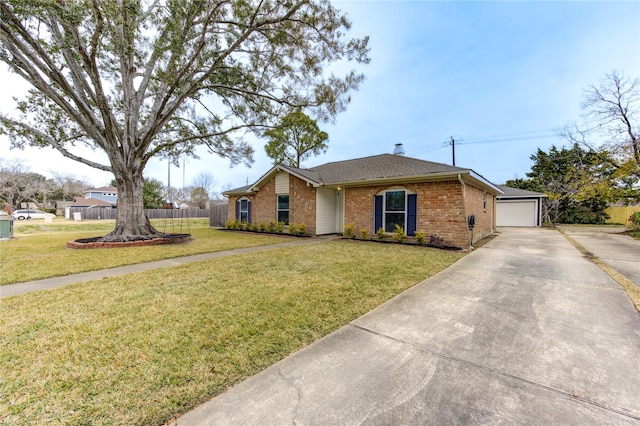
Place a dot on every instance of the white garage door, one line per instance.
(516, 213)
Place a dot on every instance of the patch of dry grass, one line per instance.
(144, 348)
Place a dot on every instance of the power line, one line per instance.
(507, 139)
(517, 134)
(520, 136)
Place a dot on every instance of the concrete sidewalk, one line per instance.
(525, 330)
(49, 283)
(607, 243)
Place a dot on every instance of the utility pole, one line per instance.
(453, 150)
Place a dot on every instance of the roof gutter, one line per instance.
(395, 179)
(486, 182)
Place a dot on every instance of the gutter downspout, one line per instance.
(464, 203)
(464, 187)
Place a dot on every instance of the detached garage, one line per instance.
(518, 207)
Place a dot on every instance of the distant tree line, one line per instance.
(601, 166)
(20, 187)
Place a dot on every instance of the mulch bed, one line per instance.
(94, 242)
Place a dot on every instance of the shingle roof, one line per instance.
(379, 167)
(90, 202)
(103, 189)
(239, 190)
(517, 192)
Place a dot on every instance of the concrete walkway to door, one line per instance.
(524, 330)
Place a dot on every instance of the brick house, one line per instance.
(372, 193)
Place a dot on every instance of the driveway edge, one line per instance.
(632, 290)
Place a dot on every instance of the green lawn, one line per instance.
(144, 348)
(39, 250)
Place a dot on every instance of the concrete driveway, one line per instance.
(607, 243)
(524, 330)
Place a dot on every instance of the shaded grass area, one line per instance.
(39, 251)
(144, 348)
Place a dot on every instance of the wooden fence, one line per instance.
(621, 214)
(102, 213)
(218, 215)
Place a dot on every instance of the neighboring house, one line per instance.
(104, 193)
(176, 204)
(519, 207)
(372, 193)
(105, 197)
(81, 202)
(61, 206)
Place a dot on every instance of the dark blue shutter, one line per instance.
(377, 223)
(249, 211)
(412, 201)
(238, 210)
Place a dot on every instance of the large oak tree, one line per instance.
(143, 78)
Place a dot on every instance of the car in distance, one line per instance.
(28, 214)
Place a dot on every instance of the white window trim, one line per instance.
(278, 209)
(240, 200)
(384, 206)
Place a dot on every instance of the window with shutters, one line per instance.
(395, 210)
(395, 207)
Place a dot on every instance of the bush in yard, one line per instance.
(381, 234)
(234, 224)
(421, 238)
(364, 234)
(439, 242)
(635, 225)
(295, 229)
(349, 231)
(280, 227)
(398, 234)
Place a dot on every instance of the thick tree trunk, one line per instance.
(131, 222)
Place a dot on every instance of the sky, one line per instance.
(499, 77)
